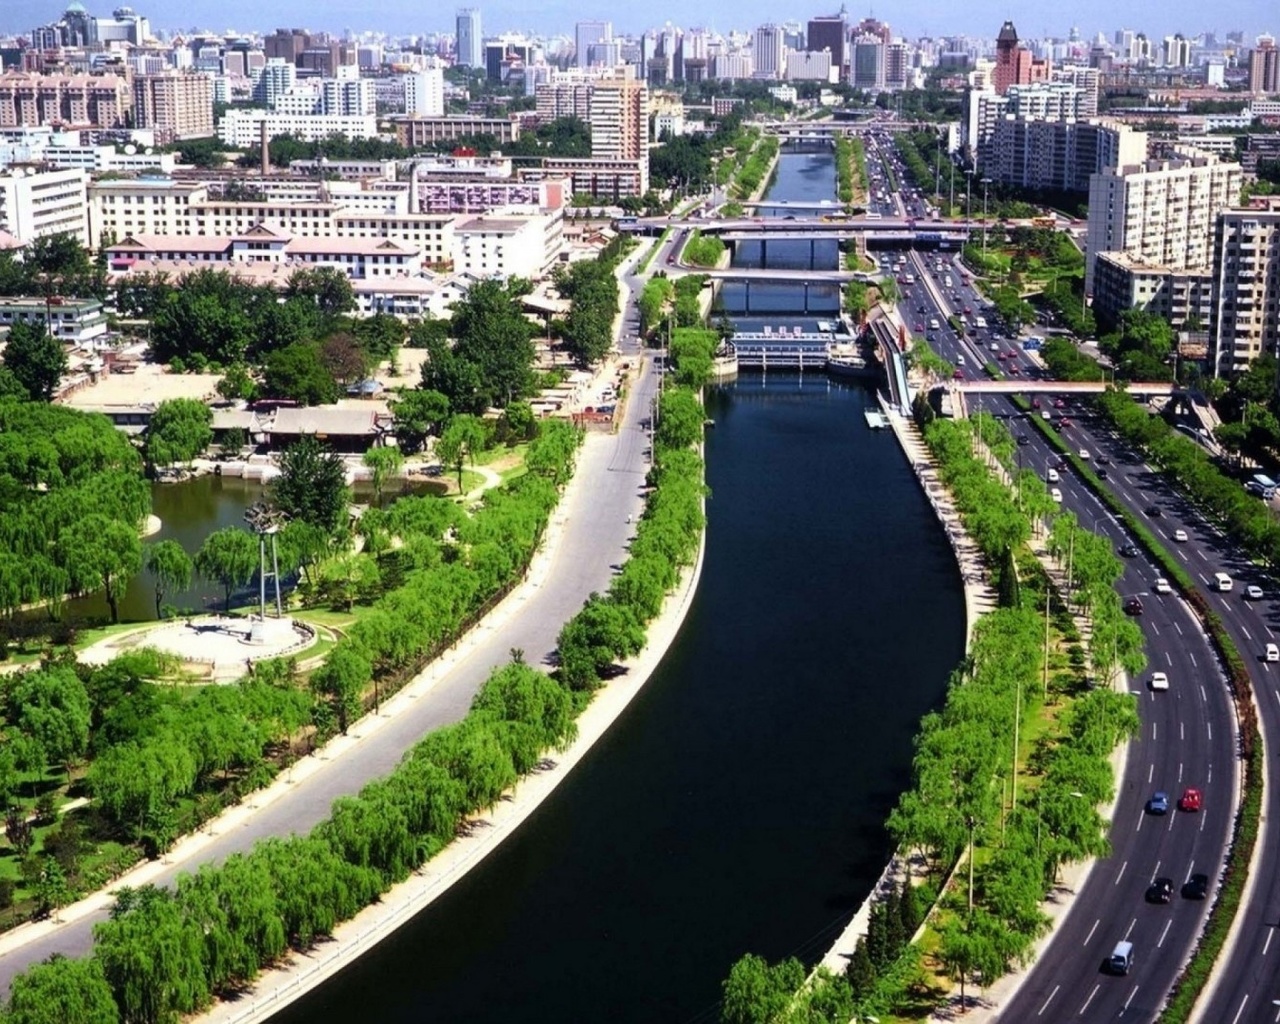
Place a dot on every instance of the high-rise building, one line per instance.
(588, 35)
(1160, 212)
(287, 44)
(868, 62)
(1176, 51)
(424, 93)
(470, 43)
(177, 105)
(1244, 322)
(872, 27)
(102, 101)
(1087, 79)
(828, 34)
(619, 119)
(769, 52)
(44, 203)
(277, 77)
(1264, 67)
(1016, 65)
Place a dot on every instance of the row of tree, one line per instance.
(592, 290)
(162, 954)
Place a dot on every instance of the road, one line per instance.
(1187, 736)
(595, 516)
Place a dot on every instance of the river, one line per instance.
(739, 803)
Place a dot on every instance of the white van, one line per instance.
(1221, 582)
(1121, 961)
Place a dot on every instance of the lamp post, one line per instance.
(265, 521)
(968, 194)
(985, 183)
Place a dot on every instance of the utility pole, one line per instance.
(985, 183)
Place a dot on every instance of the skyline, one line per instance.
(981, 19)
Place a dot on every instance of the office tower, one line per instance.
(868, 62)
(1264, 67)
(828, 33)
(286, 44)
(1243, 322)
(872, 27)
(1015, 65)
(470, 49)
(1176, 51)
(768, 51)
(1160, 212)
(589, 34)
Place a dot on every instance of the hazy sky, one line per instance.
(935, 17)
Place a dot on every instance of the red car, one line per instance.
(1058, 403)
(1064, 422)
(1013, 369)
(967, 311)
(958, 374)
(1035, 403)
(1190, 799)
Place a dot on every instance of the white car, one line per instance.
(1161, 586)
(1253, 592)
(1056, 495)
(1159, 681)
(1180, 536)
(1273, 652)
(1052, 476)
(1084, 454)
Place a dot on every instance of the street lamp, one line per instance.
(968, 189)
(985, 183)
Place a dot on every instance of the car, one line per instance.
(1046, 415)
(1035, 403)
(1023, 440)
(1180, 536)
(1103, 460)
(1013, 370)
(1056, 495)
(1133, 606)
(1196, 887)
(1129, 550)
(1051, 476)
(1272, 653)
(1102, 474)
(920, 327)
(1253, 592)
(1012, 354)
(1159, 802)
(958, 374)
(967, 311)
(1190, 799)
(1154, 511)
(995, 347)
(1159, 681)
(1083, 452)
(1160, 891)
(1161, 586)
(1058, 403)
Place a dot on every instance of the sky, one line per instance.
(928, 17)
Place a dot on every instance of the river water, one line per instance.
(738, 804)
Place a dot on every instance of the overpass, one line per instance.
(842, 228)
(1144, 389)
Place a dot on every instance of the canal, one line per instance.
(739, 803)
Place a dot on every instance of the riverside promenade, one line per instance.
(588, 534)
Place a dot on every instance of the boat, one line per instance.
(875, 419)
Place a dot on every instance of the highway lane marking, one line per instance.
(1153, 730)
(1121, 874)
(1167, 926)
(1246, 634)
(1193, 659)
(1090, 999)
(1205, 697)
(1182, 735)
(1179, 771)
(1178, 628)
(1210, 778)
(1049, 1000)
(1156, 630)
(1209, 725)
(1202, 820)
(1169, 658)
(1129, 930)
(1267, 945)
(1156, 871)
(1151, 772)
(1130, 999)
(1243, 1003)
(1204, 578)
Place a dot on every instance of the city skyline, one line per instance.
(981, 20)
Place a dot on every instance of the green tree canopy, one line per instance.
(180, 429)
(312, 485)
(36, 359)
(298, 372)
(170, 566)
(228, 557)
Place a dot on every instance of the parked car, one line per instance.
(1190, 799)
(1160, 891)
(1159, 802)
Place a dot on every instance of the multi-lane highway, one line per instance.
(1186, 740)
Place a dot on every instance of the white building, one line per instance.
(276, 78)
(807, 66)
(77, 321)
(768, 52)
(424, 93)
(505, 247)
(240, 128)
(1159, 212)
(1246, 288)
(37, 204)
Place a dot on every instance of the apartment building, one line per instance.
(1059, 155)
(1177, 295)
(619, 119)
(1245, 321)
(104, 101)
(505, 247)
(1160, 212)
(176, 105)
(40, 203)
(1264, 68)
(241, 128)
(77, 321)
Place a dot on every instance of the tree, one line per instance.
(419, 413)
(54, 712)
(208, 320)
(491, 362)
(328, 288)
(237, 383)
(61, 990)
(680, 418)
(298, 372)
(228, 556)
(312, 485)
(340, 681)
(462, 438)
(180, 429)
(36, 359)
(755, 993)
(171, 566)
(99, 551)
(385, 463)
(343, 357)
